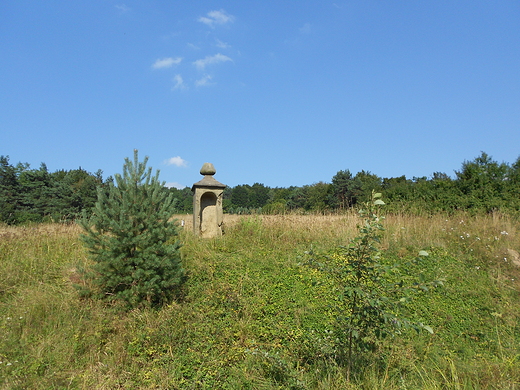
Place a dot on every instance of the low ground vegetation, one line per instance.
(252, 316)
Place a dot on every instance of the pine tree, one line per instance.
(9, 190)
(133, 240)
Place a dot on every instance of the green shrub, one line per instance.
(132, 239)
(370, 290)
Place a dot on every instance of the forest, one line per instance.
(481, 185)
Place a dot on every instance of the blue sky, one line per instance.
(277, 92)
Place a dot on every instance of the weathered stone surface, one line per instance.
(208, 181)
(207, 204)
(208, 169)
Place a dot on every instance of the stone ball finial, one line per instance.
(208, 169)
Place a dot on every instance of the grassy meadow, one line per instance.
(253, 317)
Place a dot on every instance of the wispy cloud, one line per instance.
(177, 161)
(204, 82)
(182, 78)
(178, 82)
(175, 185)
(210, 60)
(166, 62)
(213, 18)
(222, 45)
(122, 8)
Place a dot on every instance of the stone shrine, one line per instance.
(207, 204)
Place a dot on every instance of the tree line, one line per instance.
(482, 184)
(37, 195)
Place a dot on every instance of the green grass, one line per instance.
(251, 317)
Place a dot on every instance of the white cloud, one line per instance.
(203, 82)
(213, 18)
(166, 62)
(177, 161)
(176, 185)
(210, 60)
(179, 82)
(122, 8)
(222, 45)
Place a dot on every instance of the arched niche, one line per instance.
(209, 226)
(207, 204)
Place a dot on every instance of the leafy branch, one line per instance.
(370, 291)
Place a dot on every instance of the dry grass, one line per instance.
(495, 232)
(402, 230)
(54, 229)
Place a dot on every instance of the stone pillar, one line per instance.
(207, 204)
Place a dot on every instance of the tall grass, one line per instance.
(252, 318)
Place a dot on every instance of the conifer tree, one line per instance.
(133, 240)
